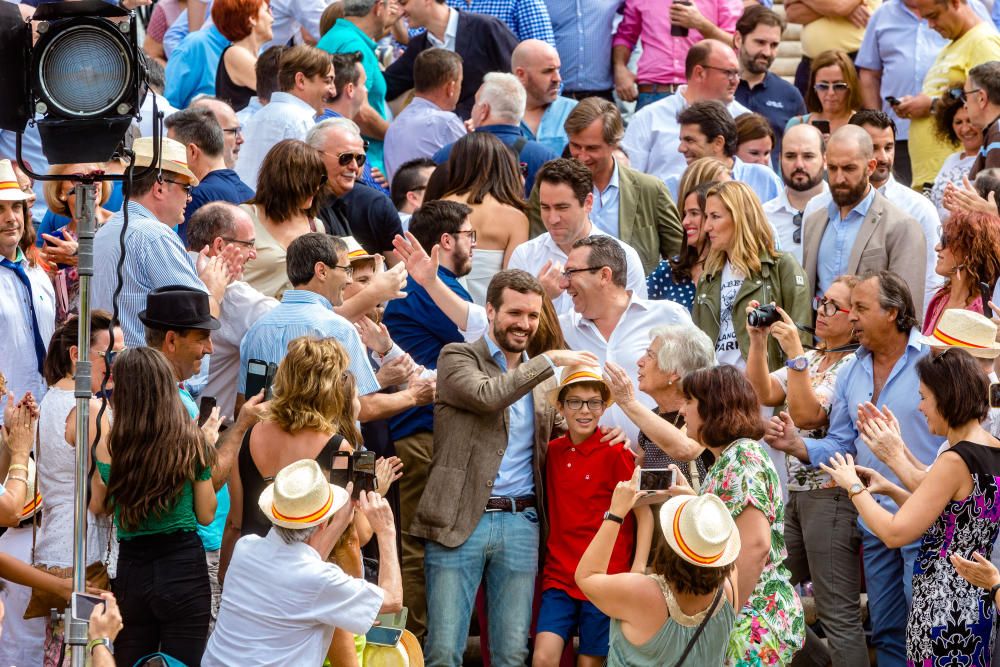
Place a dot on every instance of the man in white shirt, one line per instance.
(607, 319)
(282, 599)
(652, 138)
(306, 83)
(802, 167)
(216, 226)
(565, 201)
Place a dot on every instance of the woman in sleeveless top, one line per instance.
(954, 510)
(55, 453)
(283, 209)
(483, 173)
(687, 606)
(247, 25)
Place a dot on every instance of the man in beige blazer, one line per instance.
(860, 230)
(481, 510)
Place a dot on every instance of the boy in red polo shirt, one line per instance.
(581, 473)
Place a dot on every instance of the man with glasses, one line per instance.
(232, 130)
(667, 32)
(607, 318)
(652, 138)
(982, 101)
(353, 208)
(802, 169)
(199, 131)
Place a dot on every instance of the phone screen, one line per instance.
(83, 604)
(656, 479)
(383, 636)
(364, 472)
(995, 394)
(256, 377)
(205, 408)
(821, 125)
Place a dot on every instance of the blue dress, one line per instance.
(661, 286)
(950, 617)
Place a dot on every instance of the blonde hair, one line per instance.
(702, 170)
(752, 233)
(314, 390)
(53, 189)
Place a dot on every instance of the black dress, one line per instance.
(237, 96)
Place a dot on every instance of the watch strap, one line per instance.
(608, 516)
(993, 593)
(100, 641)
(854, 490)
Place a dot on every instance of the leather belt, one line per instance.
(507, 504)
(659, 87)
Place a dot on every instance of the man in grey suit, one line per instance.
(860, 230)
(481, 508)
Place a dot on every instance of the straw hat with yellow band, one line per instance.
(573, 375)
(965, 329)
(700, 530)
(300, 497)
(10, 189)
(34, 504)
(172, 158)
(406, 653)
(354, 250)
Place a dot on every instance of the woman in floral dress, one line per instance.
(956, 508)
(721, 411)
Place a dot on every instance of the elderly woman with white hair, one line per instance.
(673, 352)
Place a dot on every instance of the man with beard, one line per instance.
(757, 38)
(420, 327)
(481, 510)
(860, 230)
(536, 65)
(609, 320)
(802, 166)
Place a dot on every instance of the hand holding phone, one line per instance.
(83, 604)
(893, 101)
(656, 479)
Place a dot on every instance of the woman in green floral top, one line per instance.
(821, 524)
(721, 411)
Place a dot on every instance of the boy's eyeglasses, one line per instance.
(595, 404)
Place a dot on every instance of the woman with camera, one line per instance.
(686, 607)
(155, 476)
(743, 266)
(821, 530)
(953, 511)
(722, 413)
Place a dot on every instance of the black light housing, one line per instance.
(84, 76)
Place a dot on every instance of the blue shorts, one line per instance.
(562, 615)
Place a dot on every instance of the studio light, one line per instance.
(81, 79)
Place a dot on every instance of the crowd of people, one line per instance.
(564, 324)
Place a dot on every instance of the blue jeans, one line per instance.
(649, 98)
(504, 547)
(889, 580)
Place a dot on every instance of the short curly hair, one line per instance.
(948, 107)
(974, 239)
(232, 17)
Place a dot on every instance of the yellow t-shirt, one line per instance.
(950, 69)
(833, 32)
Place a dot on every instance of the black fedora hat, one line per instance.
(178, 307)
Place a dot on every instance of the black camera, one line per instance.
(764, 316)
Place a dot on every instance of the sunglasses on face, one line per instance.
(838, 87)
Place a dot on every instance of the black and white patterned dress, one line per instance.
(950, 618)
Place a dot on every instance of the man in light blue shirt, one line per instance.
(536, 65)
(583, 30)
(885, 375)
(838, 239)
(191, 69)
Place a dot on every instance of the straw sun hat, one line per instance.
(300, 497)
(972, 332)
(700, 530)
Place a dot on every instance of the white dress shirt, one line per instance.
(653, 137)
(532, 255)
(290, 16)
(627, 344)
(779, 212)
(285, 117)
(281, 604)
(450, 32)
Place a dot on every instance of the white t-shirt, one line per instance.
(727, 348)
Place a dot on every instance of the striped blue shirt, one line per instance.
(527, 19)
(154, 257)
(304, 313)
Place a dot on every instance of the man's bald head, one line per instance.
(802, 157)
(536, 65)
(853, 138)
(713, 72)
(807, 134)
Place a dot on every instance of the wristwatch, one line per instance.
(993, 593)
(855, 489)
(608, 516)
(799, 363)
(101, 641)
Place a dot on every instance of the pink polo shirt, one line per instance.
(662, 59)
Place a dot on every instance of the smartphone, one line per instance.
(995, 394)
(205, 408)
(364, 472)
(893, 101)
(822, 125)
(656, 479)
(260, 376)
(679, 30)
(83, 604)
(340, 469)
(383, 636)
(987, 294)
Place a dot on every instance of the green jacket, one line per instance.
(780, 280)
(647, 217)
